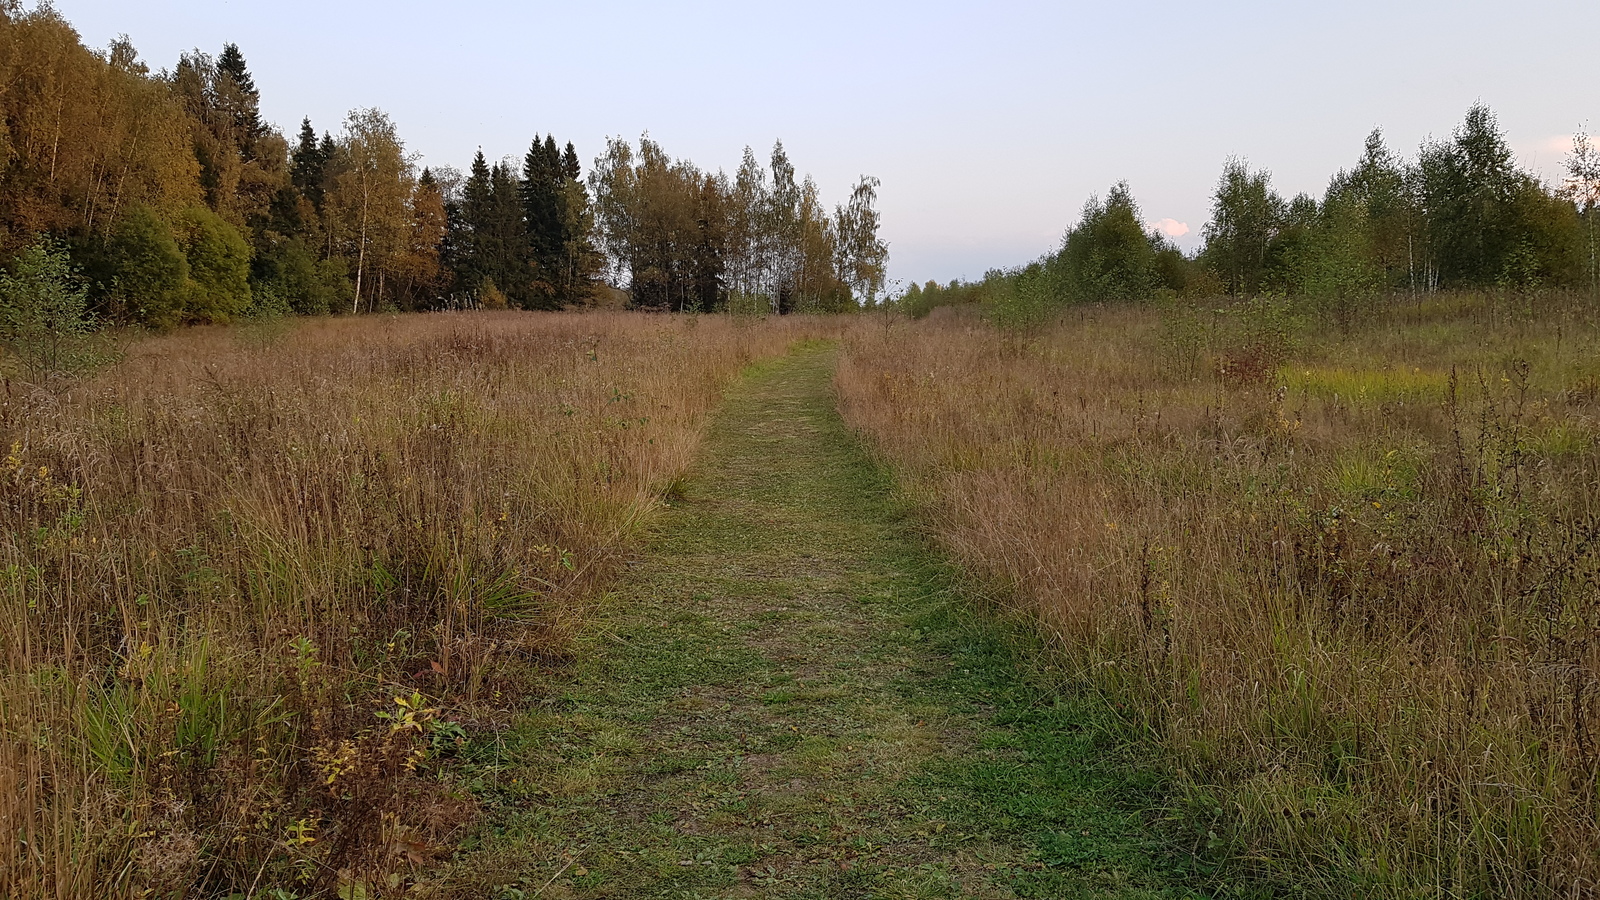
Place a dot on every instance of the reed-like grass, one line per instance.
(1347, 579)
(257, 585)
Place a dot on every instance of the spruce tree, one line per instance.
(577, 260)
(238, 97)
(468, 236)
(308, 165)
(508, 258)
(541, 210)
(232, 62)
(569, 164)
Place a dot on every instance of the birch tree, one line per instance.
(368, 201)
(1582, 187)
(861, 257)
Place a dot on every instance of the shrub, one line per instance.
(219, 266)
(151, 273)
(44, 309)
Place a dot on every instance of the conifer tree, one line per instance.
(541, 210)
(579, 262)
(307, 165)
(569, 164)
(469, 228)
(465, 215)
(237, 95)
(232, 62)
(508, 253)
(490, 241)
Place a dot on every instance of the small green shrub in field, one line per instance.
(44, 311)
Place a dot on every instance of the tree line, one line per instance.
(685, 238)
(1458, 215)
(170, 201)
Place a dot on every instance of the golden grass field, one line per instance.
(255, 582)
(1349, 582)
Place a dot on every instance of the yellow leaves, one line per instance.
(411, 714)
(335, 763)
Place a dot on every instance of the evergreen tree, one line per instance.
(326, 149)
(510, 259)
(467, 218)
(489, 242)
(472, 225)
(308, 164)
(237, 95)
(708, 269)
(541, 210)
(242, 164)
(232, 63)
(569, 164)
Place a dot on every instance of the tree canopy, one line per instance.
(180, 204)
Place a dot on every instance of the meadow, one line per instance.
(1337, 566)
(267, 592)
(258, 584)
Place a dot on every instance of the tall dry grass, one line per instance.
(257, 584)
(1350, 581)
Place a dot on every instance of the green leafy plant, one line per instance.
(44, 311)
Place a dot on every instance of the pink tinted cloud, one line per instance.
(1171, 227)
(1545, 156)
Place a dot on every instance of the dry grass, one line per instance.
(1350, 581)
(255, 585)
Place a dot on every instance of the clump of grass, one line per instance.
(256, 594)
(1353, 595)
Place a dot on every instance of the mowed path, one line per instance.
(784, 698)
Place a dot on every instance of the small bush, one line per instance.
(219, 267)
(44, 310)
(151, 273)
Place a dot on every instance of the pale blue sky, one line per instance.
(989, 123)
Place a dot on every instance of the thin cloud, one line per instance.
(1545, 156)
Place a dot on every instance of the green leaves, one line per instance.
(43, 309)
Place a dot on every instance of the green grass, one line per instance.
(790, 697)
(1367, 386)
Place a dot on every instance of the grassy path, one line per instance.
(784, 700)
